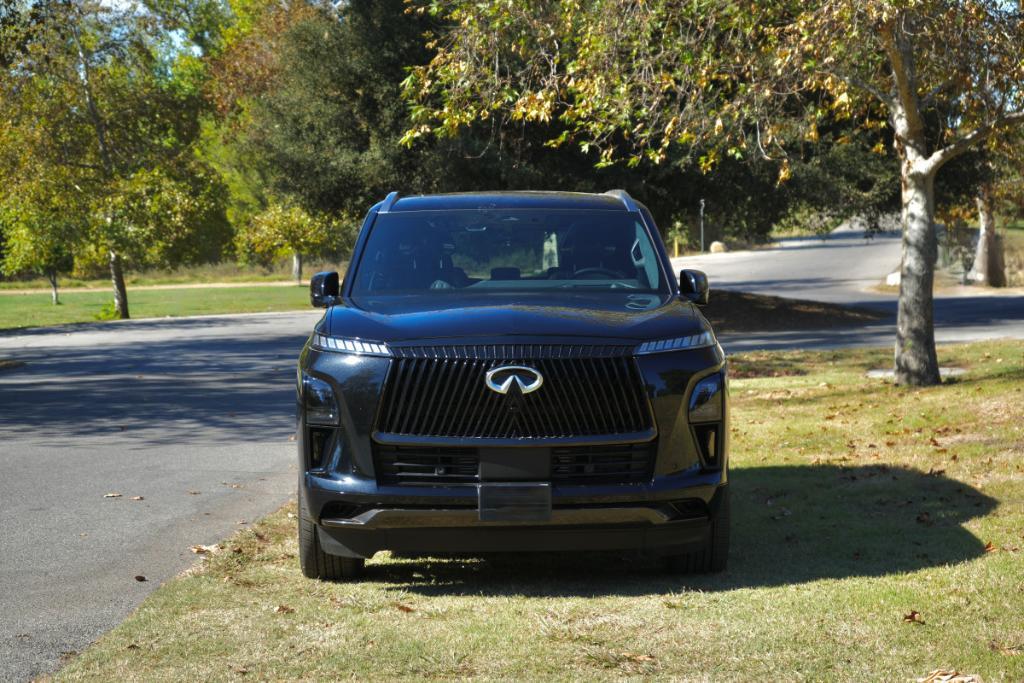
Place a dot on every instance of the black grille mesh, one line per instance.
(426, 465)
(439, 391)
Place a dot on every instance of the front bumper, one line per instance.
(666, 516)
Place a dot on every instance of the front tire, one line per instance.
(713, 555)
(315, 563)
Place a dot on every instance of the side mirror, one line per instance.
(323, 289)
(693, 284)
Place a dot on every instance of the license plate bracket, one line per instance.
(514, 502)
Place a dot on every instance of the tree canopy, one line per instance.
(723, 78)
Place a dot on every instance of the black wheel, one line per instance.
(714, 554)
(315, 563)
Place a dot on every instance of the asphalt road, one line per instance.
(842, 268)
(195, 415)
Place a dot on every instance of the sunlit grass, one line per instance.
(856, 504)
(31, 310)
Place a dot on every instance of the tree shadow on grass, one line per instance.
(790, 525)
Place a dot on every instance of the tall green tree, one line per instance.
(42, 227)
(738, 79)
(93, 95)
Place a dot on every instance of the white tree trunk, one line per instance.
(52, 277)
(297, 267)
(916, 361)
(989, 266)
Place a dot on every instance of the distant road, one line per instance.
(841, 268)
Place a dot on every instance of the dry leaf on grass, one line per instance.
(284, 609)
(944, 676)
(913, 618)
(633, 657)
(991, 547)
(205, 549)
(403, 608)
(1005, 648)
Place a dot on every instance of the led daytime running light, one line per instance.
(350, 346)
(694, 341)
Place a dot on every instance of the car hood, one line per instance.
(629, 317)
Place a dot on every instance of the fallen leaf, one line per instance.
(991, 547)
(913, 618)
(403, 608)
(633, 657)
(1005, 649)
(284, 609)
(943, 676)
(140, 578)
(204, 549)
(112, 495)
(137, 498)
(193, 493)
(131, 646)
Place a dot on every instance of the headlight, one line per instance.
(706, 399)
(319, 401)
(342, 345)
(694, 341)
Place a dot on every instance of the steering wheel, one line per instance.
(599, 272)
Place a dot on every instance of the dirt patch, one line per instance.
(732, 311)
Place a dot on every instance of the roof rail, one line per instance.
(624, 197)
(388, 202)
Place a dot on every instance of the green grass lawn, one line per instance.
(31, 310)
(877, 536)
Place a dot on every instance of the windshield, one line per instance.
(507, 250)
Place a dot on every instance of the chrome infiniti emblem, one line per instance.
(502, 378)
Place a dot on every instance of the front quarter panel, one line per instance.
(358, 382)
(669, 379)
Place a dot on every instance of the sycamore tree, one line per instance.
(723, 78)
(93, 93)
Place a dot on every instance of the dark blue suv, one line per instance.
(514, 371)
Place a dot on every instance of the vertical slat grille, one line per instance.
(439, 391)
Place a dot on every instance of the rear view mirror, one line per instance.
(693, 284)
(323, 289)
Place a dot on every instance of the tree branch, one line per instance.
(928, 99)
(968, 140)
(855, 82)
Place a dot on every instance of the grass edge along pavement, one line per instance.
(877, 536)
(20, 311)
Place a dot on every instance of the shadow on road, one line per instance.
(188, 389)
(791, 525)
